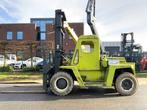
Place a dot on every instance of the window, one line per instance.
(50, 21)
(42, 26)
(19, 35)
(9, 35)
(43, 36)
(87, 46)
(38, 23)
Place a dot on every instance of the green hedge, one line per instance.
(31, 69)
(6, 69)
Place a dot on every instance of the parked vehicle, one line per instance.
(9, 59)
(27, 63)
(41, 64)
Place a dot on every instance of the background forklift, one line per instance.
(133, 52)
(87, 66)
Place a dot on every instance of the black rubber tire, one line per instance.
(119, 81)
(53, 84)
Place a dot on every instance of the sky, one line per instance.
(113, 17)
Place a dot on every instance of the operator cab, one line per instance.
(87, 52)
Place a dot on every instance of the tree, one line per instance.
(3, 46)
(32, 45)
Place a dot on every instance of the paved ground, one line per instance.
(13, 97)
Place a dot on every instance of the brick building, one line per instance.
(68, 43)
(17, 39)
(32, 39)
(15, 32)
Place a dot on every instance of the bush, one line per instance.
(30, 69)
(6, 69)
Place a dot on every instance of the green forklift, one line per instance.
(88, 66)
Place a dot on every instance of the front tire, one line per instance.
(126, 84)
(61, 84)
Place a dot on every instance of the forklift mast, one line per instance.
(59, 33)
(61, 25)
(127, 45)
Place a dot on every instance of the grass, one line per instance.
(6, 76)
(141, 75)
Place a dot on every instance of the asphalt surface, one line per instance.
(32, 97)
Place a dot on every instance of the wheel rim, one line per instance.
(61, 83)
(127, 84)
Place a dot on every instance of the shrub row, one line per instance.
(6, 69)
(31, 69)
(26, 69)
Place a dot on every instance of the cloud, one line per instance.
(118, 16)
(113, 16)
(4, 8)
(25, 9)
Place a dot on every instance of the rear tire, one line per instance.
(61, 84)
(126, 84)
